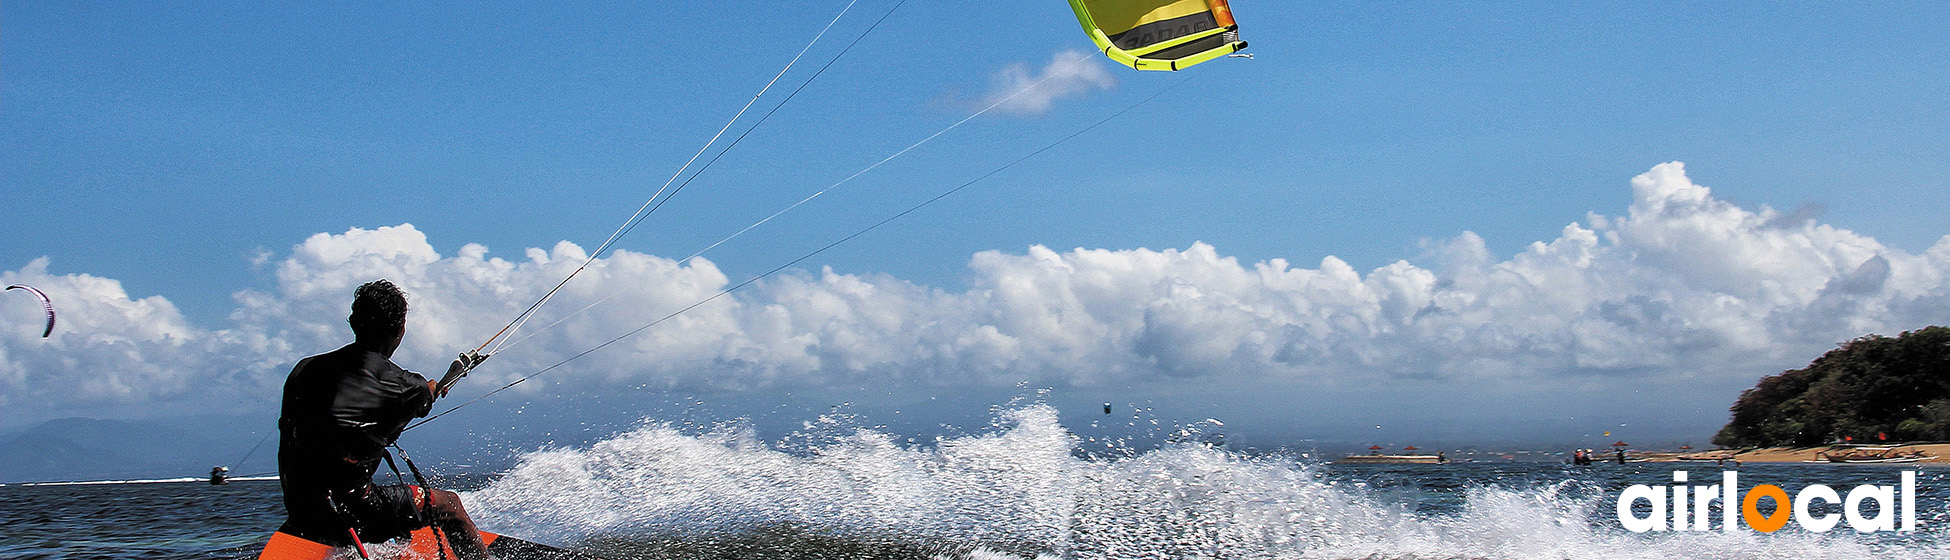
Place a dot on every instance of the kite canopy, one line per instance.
(1160, 34)
(46, 304)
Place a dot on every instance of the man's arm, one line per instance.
(463, 364)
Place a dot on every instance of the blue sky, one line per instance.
(187, 151)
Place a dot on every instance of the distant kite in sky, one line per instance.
(45, 304)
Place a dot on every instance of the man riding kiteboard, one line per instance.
(341, 410)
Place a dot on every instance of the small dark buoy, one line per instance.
(1106, 408)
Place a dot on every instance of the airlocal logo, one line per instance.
(1670, 506)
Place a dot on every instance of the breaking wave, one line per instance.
(1023, 491)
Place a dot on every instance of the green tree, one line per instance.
(1868, 386)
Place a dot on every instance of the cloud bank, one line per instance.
(1021, 91)
(1682, 286)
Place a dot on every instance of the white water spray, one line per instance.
(1021, 491)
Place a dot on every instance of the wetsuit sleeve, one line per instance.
(417, 399)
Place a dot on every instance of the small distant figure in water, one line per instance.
(219, 475)
(1621, 455)
(1440, 458)
(1106, 408)
(1581, 457)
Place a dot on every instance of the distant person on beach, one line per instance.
(341, 409)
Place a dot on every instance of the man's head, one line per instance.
(378, 313)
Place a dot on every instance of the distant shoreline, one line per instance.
(1925, 453)
(204, 480)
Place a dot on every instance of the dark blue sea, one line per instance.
(1023, 490)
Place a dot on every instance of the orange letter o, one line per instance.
(1751, 513)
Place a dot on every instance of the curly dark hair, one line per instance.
(378, 309)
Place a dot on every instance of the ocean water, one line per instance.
(1022, 489)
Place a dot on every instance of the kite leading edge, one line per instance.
(46, 304)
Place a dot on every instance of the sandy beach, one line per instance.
(1923, 452)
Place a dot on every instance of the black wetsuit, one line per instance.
(341, 409)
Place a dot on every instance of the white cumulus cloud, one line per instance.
(1683, 285)
(109, 348)
(1020, 90)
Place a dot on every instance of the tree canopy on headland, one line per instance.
(1867, 390)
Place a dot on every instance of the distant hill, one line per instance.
(1871, 388)
(90, 449)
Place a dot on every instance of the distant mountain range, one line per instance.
(88, 449)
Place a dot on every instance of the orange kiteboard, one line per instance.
(426, 545)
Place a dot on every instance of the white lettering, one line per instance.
(1809, 521)
(1654, 495)
(1895, 506)
(1885, 498)
(1679, 501)
(1703, 496)
(1730, 501)
(1909, 501)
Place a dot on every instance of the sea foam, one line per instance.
(1022, 490)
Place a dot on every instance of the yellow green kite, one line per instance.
(1160, 34)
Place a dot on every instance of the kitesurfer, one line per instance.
(341, 410)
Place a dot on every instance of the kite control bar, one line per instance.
(457, 370)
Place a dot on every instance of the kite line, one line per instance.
(813, 253)
(647, 208)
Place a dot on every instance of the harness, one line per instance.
(347, 517)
